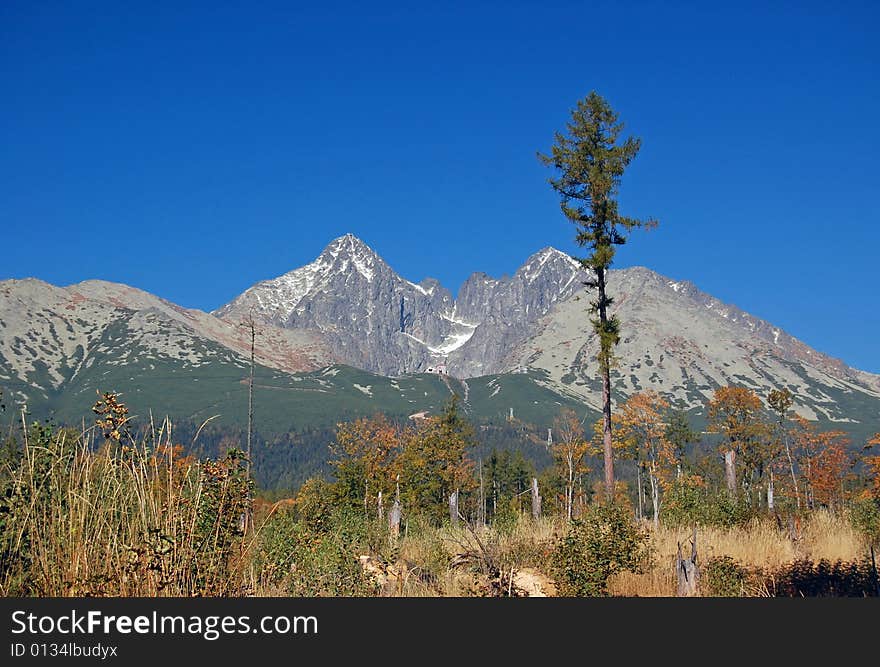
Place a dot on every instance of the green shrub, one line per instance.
(602, 542)
(865, 517)
(506, 516)
(307, 561)
(688, 502)
(724, 577)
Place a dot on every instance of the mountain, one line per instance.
(347, 336)
(677, 340)
(684, 343)
(372, 318)
(58, 344)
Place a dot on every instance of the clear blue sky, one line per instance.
(192, 149)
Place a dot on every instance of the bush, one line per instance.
(307, 561)
(315, 502)
(724, 577)
(602, 542)
(865, 518)
(688, 503)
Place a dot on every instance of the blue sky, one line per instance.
(192, 149)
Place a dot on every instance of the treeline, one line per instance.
(755, 459)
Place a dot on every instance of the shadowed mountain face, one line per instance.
(525, 340)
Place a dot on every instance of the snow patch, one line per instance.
(451, 318)
(454, 342)
(420, 288)
(368, 390)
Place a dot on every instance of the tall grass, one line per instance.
(138, 520)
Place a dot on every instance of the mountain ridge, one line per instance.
(349, 307)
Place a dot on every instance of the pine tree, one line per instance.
(589, 161)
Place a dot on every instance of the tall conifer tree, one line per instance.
(589, 161)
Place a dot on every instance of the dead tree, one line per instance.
(394, 520)
(730, 470)
(536, 499)
(249, 323)
(453, 508)
(394, 514)
(687, 571)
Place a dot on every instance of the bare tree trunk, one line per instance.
(730, 470)
(482, 513)
(569, 492)
(394, 519)
(253, 332)
(250, 427)
(536, 499)
(641, 490)
(453, 508)
(655, 496)
(770, 490)
(808, 492)
(381, 508)
(797, 495)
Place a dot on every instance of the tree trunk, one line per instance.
(730, 471)
(605, 367)
(770, 491)
(482, 513)
(641, 490)
(453, 508)
(808, 492)
(655, 497)
(687, 571)
(536, 499)
(394, 520)
(569, 492)
(797, 495)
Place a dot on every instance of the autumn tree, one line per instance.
(641, 426)
(872, 464)
(569, 451)
(365, 454)
(435, 462)
(589, 160)
(735, 413)
(823, 463)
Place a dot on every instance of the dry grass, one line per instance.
(430, 555)
(758, 544)
(141, 522)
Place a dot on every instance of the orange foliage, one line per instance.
(735, 413)
(823, 461)
(872, 463)
(642, 433)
